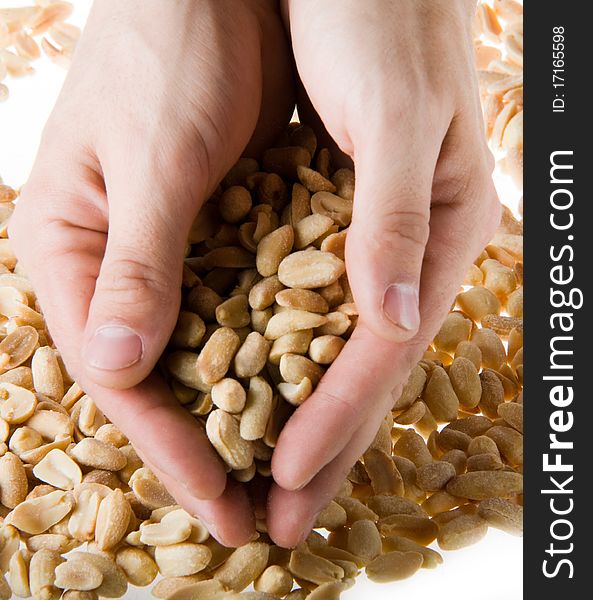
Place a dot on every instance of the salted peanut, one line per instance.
(325, 349)
(189, 330)
(314, 181)
(114, 584)
(480, 485)
(284, 161)
(335, 243)
(465, 381)
(471, 352)
(508, 379)
(14, 484)
(482, 444)
(440, 396)
(258, 407)
(364, 540)
(510, 443)
(331, 517)
(274, 580)
(484, 462)
(233, 312)
(51, 541)
(273, 248)
(10, 541)
(223, 431)
(251, 356)
(297, 393)
(355, 510)
(23, 439)
(243, 566)
(39, 514)
(498, 278)
(42, 577)
(228, 257)
(181, 559)
(291, 321)
(151, 492)
(216, 355)
(98, 455)
(20, 376)
(491, 346)
(34, 455)
(313, 568)
(112, 520)
(47, 377)
(333, 294)
(234, 204)
(501, 325)
(110, 434)
(411, 446)
(337, 324)
(461, 532)
(478, 302)
(492, 393)
(456, 328)
(18, 404)
(335, 207)
(294, 368)
(311, 228)
(394, 566)
(450, 439)
(81, 575)
(18, 574)
(238, 174)
(203, 301)
(383, 474)
(262, 294)
(412, 415)
(473, 276)
(439, 502)
(59, 470)
(138, 566)
(514, 303)
(72, 395)
(305, 300)
(310, 269)
(51, 424)
(229, 395)
(502, 514)
(184, 367)
(412, 389)
(472, 425)
(435, 476)
(512, 413)
(385, 506)
(430, 558)
(83, 519)
(418, 528)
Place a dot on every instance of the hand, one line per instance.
(161, 100)
(393, 82)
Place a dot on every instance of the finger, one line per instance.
(341, 402)
(170, 439)
(449, 251)
(390, 227)
(229, 518)
(62, 261)
(138, 289)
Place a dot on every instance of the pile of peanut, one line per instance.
(498, 32)
(266, 309)
(22, 26)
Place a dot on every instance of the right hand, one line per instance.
(161, 100)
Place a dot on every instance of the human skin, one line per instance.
(142, 133)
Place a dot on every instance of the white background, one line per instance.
(490, 570)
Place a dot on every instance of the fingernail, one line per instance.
(113, 347)
(400, 306)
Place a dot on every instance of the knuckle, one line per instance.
(341, 404)
(406, 228)
(132, 281)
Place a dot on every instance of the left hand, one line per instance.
(394, 84)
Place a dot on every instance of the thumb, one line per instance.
(137, 293)
(386, 240)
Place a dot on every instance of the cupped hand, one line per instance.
(161, 100)
(393, 82)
